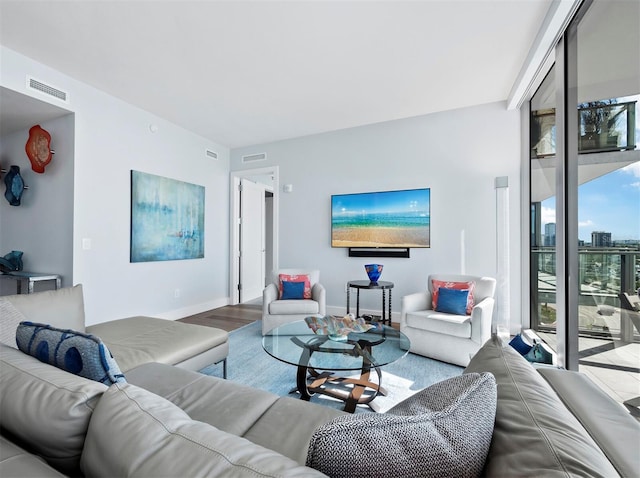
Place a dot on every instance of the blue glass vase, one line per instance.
(373, 271)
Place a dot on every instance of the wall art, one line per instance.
(14, 185)
(167, 219)
(38, 148)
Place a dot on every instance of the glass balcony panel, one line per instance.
(607, 125)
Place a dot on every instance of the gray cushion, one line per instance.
(10, 317)
(15, 461)
(441, 323)
(136, 433)
(306, 306)
(443, 430)
(612, 427)
(63, 308)
(46, 408)
(287, 426)
(229, 406)
(254, 414)
(137, 340)
(534, 433)
(72, 351)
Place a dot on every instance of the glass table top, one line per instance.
(296, 344)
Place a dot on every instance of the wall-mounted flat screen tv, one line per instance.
(384, 219)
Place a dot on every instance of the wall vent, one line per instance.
(211, 154)
(250, 158)
(37, 85)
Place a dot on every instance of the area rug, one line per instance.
(249, 364)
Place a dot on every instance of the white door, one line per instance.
(252, 240)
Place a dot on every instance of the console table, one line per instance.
(367, 285)
(32, 278)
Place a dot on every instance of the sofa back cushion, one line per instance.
(46, 408)
(10, 318)
(63, 308)
(534, 433)
(136, 433)
(614, 429)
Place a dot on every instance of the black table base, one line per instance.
(352, 391)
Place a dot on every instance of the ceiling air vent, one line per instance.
(34, 84)
(250, 158)
(211, 154)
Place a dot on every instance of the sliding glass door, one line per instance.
(585, 198)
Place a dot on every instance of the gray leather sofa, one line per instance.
(168, 421)
(57, 424)
(554, 423)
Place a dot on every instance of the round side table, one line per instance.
(367, 285)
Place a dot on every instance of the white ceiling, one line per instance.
(248, 72)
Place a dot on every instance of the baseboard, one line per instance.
(193, 309)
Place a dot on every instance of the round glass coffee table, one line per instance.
(318, 358)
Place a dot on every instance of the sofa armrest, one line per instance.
(269, 294)
(319, 294)
(412, 303)
(481, 316)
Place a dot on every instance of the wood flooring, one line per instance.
(229, 317)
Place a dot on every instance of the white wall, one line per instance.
(42, 226)
(457, 154)
(111, 138)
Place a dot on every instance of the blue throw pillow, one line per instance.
(452, 301)
(520, 345)
(292, 290)
(81, 354)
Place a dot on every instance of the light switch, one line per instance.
(86, 243)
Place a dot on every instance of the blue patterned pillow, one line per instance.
(81, 354)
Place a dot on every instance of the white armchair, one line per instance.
(447, 337)
(276, 312)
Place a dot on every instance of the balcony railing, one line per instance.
(604, 274)
(604, 125)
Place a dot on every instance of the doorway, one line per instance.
(254, 232)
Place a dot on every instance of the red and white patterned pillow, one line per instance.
(436, 284)
(295, 278)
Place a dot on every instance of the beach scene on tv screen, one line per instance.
(381, 219)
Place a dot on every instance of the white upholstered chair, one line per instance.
(448, 337)
(276, 312)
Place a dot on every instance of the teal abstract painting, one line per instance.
(167, 219)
